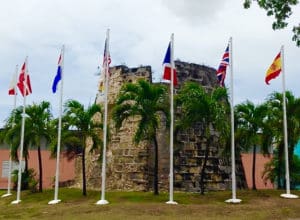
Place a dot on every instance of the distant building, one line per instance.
(67, 168)
(261, 160)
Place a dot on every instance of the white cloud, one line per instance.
(140, 31)
(195, 11)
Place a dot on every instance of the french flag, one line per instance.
(168, 67)
(58, 74)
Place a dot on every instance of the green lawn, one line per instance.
(265, 204)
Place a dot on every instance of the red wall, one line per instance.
(67, 168)
(260, 163)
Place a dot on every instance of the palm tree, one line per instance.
(275, 121)
(210, 110)
(38, 130)
(250, 124)
(146, 101)
(82, 121)
(70, 139)
(11, 135)
(38, 117)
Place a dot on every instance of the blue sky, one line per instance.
(140, 31)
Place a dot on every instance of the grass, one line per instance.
(261, 204)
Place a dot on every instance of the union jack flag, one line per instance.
(221, 72)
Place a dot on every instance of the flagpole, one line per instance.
(18, 200)
(233, 176)
(171, 175)
(287, 174)
(10, 161)
(56, 200)
(103, 201)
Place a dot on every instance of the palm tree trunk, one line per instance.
(155, 172)
(26, 163)
(83, 169)
(24, 185)
(280, 154)
(253, 167)
(202, 187)
(40, 170)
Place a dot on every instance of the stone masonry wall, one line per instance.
(130, 167)
(127, 163)
(190, 144)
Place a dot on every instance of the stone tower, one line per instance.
(129, 167)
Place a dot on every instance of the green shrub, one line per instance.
(28, 180)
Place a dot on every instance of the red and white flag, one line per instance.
(13, 85)
(24, 83)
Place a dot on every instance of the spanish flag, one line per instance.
(274, 70)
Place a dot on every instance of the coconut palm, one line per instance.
(10, 135)
(70, 139)
(81, 120)
(37, 131)
(250, 120)
(147, 101)
(275, 121)
(210, 110)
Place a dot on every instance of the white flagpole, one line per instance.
(233, 177)
(171, 175)
(56, 200)
(10, 161)
(287, 174)
(18, 200)
(103, 201)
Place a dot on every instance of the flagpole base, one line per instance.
(6, 195)
(102, 202)
(233, 201)
(289, 196)
(171, 203)
(54, 201)
(16, 202)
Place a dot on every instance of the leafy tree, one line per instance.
(250, 121)
(82, 120)
(146, 101)
(281, 10)
(28, 180)
(211, 110)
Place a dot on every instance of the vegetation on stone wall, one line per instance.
(146, 101)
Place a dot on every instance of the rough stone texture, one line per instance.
(130, 166)
(190, 144)
(205, 76)
(127, 163)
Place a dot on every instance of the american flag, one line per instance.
(221, 72)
